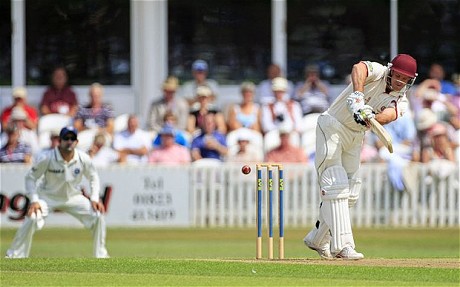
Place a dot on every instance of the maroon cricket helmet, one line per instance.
(404, 64)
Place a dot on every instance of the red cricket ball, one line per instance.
(246, 169)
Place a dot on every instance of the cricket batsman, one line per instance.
(375, 91)
(60, 172)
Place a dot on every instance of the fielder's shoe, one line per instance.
(349, 253)
(323, 251)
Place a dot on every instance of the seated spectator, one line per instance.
(180, 137)
(59, 98)
(54, 142)
(200, 71)
(133, 142)
(169, 152)
(430, 96)
(313, 94)
(18, 118)
(210, 143)
(437, 73)
(428, 128)
(281, 112)
(245, 151)
(95, 115)
(286, 152)
(403, 133)
(264, 91)
(20, 100)
(169, 103)
(247, 113)
(200, 109)
(103, 155)
(14, 151)
(434, 147)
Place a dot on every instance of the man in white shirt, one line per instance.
(133, 142)
(281, 112)
(59, 173)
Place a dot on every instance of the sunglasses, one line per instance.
(69, 139)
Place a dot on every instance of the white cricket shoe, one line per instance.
(349, 253)
(323, 250)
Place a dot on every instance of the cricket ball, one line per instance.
(246, 169)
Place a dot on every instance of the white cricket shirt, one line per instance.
(374, 96)
(60, 179)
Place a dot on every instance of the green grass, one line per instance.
(219, 257)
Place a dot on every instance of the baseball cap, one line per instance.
(404, 64)
(279, 84)
(167, 130)
(19, 92)
(200, 65)
(66, 130)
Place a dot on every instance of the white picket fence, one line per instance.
(222, 196)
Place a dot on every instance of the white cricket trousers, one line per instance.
(79, 207)
(336, 145)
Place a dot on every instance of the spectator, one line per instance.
(428, 128)
(133, 142)
(20, 100)
(181, 137)
(59, 98)
(264, 92)
(103, 155)
(430, 96)
(200, 109)
(286, 152)
(281, 112)
(18, 118)
(15, 151)
(434, 146)
(200, 71)
(403, 133)
(97, 114)
(210, 143)
(168, 104)
(244, 151)
(437, 73)
(312, 94)
(169, 152)
(456, 98)
(247, 113)
(54, 142)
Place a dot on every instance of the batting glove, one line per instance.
(355, 102)
(363, 115)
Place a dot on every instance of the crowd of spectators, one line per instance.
(186, 124)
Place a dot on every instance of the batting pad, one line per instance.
(334, 209)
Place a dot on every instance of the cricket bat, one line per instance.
(382, 134)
